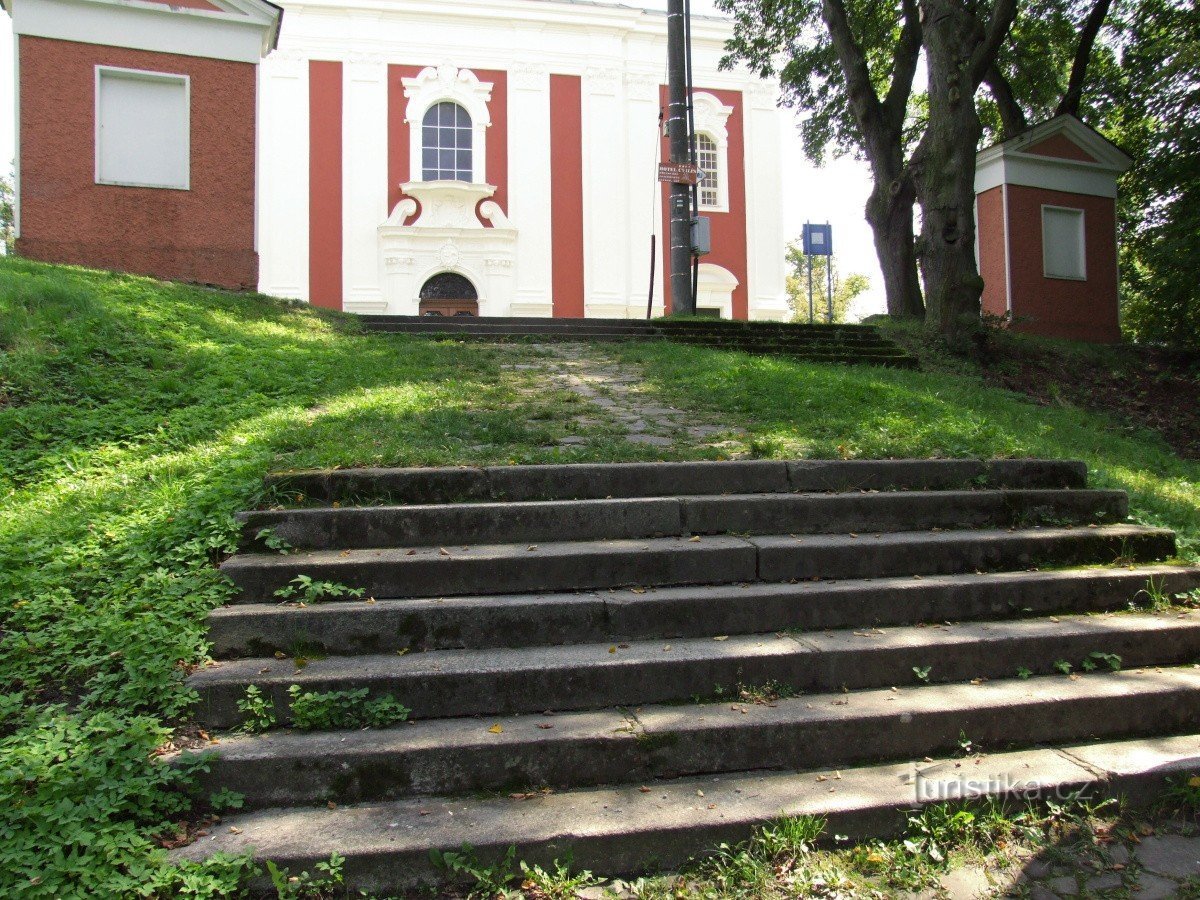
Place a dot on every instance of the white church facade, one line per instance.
(485, 157)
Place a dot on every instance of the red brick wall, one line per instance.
(566, 198)
(1081, 310)
(991, 251)
(1060, 147)
(204, 235)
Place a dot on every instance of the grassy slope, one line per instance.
(796, 410)
(137, 417)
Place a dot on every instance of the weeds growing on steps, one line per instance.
(137, 417)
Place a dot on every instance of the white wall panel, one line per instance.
(364, 182)
(283, 176)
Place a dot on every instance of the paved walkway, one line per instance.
(620, 399)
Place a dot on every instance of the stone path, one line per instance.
(620, 399)
(1160, 866)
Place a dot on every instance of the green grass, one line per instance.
(137, 417)
(792, 409)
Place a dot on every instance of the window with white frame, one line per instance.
(1063, 243)
(447, 143)
(708, 160)
(143, 128)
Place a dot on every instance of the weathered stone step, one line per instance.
(579, 520)
(572, 750)
(660, 324)
(583, 565)
(450, 683)
(584, 481)
(436, 623)
(623, 830)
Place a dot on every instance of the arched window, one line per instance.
(708, 159)
(448, 294)
(446, 134)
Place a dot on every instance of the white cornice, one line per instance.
(242, 31)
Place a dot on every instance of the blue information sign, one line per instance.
(818, 240)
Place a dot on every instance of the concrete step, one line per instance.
(436, 623)
(624, 830)
(652, 562)
(613, 480)
(572, 750)
(440, 684)
(661, 324)
(344, 528)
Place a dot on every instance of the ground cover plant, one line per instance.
(795, 409)
(137, 417)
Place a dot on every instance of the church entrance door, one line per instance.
(448, 294)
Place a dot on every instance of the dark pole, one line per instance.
(677, 133)
(650, 296)
(829, 280)
(810, 296)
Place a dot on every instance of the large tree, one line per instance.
(849, 64)
(961, 41)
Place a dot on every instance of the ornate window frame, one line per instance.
(448, 82)
(712, 121)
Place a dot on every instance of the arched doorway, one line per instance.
(448, 294)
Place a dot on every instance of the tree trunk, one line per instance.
(890, 215)
(944, 167)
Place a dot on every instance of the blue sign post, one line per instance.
(818, 241)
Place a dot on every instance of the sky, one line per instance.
(835, 193)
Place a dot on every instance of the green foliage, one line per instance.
(225, 799)
(343, 709)
(8, 230)
(794, 409)
(258, 710)
(303, 589)
(484, 881)
(1153, 115)
(136, 418)
(307, 886)
(81, 798)
(845, 289)
(558, 882)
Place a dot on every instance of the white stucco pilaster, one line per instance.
(364, 181)
(530, 185)
(283, 176)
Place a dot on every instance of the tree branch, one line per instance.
(1083, 55)
(908, 52)
(854, 66)
(984, 55)
(1012, 117)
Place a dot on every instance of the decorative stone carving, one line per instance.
(602, 79)
(712, 117)
(527, 76)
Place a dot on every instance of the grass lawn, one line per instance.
(136, 417)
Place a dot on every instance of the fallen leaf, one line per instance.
(497, 729)
(443, 551)
(721, 637)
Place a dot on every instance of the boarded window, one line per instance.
(1063, 243)
(142, 129)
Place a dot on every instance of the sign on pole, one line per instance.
(679, 173)
(818, 240)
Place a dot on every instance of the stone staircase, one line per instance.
(630, 664)
(816, 343)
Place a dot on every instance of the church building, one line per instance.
(481, 157)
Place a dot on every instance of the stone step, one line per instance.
(624, 830)
(580, 749)
(586, 329)
(661, 324)
(652, 562)
(436, 623)
(448, 683)
(584, 481)
(360, 527)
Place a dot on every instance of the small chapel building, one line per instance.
(483, 157)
